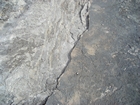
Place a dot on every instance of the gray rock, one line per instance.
(105, 64)
(36, 37)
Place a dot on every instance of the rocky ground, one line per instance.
(105, 64)
(46, 60)
(36, 37)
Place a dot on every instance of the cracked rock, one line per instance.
(105, 64)
(36, 37)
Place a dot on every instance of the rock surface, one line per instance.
(36, 37)
(105, 64)
(44, 61)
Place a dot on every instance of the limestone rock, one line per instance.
(36, 37)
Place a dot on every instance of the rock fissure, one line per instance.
(69, 54)
(63, 71)
(44, 60)
(23, 62)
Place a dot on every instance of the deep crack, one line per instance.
(63, 71)
(69, 55)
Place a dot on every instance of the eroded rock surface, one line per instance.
(36, 37)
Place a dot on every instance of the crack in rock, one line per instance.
(69, 54)
(63, 71)
(35, 50)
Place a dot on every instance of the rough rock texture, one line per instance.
(105, 64)
(43, 60)
(36, 37)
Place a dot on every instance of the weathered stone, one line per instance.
(105, 64)
(41, 61)
(36, 37)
